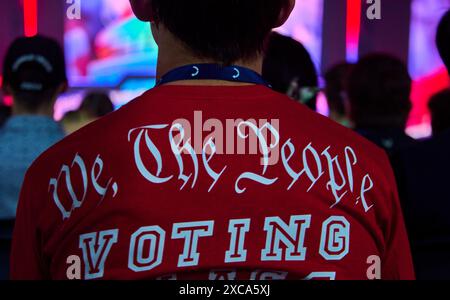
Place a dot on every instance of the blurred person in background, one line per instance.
(94, 106)
(289, 69)
(423, 178)
(439, 107)
(379, 91)
(74, 120)
(34, 75)
(5, 114)
(336, 81)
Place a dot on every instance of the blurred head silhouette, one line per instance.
(336, 80)
(97, 104)
(439, 106)
(379, 92)
(34, 74)
(443, 39)
(288, 67)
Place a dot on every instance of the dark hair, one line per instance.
(336, 79)
(443, 39)
(439, 106)
(97, 104)
(379, 92)
(287, 60)
(222, 30)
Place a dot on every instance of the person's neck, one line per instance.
(18, 110)
(173, 57)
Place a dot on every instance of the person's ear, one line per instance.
(143, 10)
(285, 12)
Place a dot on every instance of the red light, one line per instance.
(353, 29)
(422, 90)
(30, 17)
(8, 100)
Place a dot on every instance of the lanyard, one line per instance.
(213, 72)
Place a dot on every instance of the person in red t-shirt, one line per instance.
(211, 174)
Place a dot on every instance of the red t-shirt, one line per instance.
(193, 182)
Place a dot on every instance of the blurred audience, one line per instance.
(95, 105)
(423, 178)
(443, 39)
(5, 114)
(288, 67)
(336, 80)
(439, 106)
(379, 91)
(34, 74)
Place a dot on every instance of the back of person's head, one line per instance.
(97, 104)
(34, 72)
(288, 67)
(336, 80)
(221, 31)
(443, 39)
(439, 106)
(379, 92)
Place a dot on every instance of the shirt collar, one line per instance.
(31, 122)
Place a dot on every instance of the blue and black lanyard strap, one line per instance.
(213, 72)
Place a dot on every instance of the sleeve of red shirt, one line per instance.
(26, 262)
(397, 263)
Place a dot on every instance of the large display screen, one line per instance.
(109, 47)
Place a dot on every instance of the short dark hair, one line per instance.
(443, 39)
(287, 60)
(97, 104)
(336, 84)
(379, 92)
(222, 30)
(439, 106)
